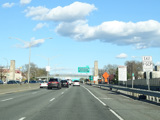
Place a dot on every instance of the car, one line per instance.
(18, 82)
(12, 82)
(64, 83)
(1, 82)
(43, 84)
(69, 81)
(76, 83)
(54, 83)
(32, 81)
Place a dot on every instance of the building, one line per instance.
(5, 74)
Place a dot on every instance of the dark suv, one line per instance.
(64, 83)
(54, 83)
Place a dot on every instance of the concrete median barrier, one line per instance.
(9, 88)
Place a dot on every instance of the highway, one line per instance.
(74, 103)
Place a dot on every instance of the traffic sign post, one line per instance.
(122, 74)
(133, 79)
(147, 67)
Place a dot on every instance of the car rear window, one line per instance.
(53, 80)
(76, 81)
(63, 80)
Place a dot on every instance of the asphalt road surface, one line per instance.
(74, 103)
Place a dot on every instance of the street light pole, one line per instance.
(7, 68)
(29, 63)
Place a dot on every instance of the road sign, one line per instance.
(122, 73)
(106, 75)
(48, 68)
(147, 63)
(91, 77)
(84, 69)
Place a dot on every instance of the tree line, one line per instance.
(132, 67)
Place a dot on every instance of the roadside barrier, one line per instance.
(153, 96)
(9, 88)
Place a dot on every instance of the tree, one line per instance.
(133, 67)
(1, 72)
(101, 72)
(34, 71)
(110, 69)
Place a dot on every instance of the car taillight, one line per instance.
(40, 84)
(49, 82)
(56, 82)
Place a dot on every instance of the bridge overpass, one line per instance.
(66, 76)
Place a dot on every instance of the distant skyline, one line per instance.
(77, 33)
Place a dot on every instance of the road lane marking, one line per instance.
(22, 118)
(94, 96)
(6, 99)
(105, 98)
(119, 117)
(62, 93)
(34, 92)
(52, 99)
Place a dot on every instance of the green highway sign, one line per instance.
(84, 69)
(91, 77)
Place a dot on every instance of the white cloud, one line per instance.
(158, 63)
(72, 12)
(32, 43)
(122, 55)
(39, 26)
(8, 5)
(24, 2)
(141, 34)
(72, 23)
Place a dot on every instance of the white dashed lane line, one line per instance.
(6, 99)
(22, 118)
(52, 99)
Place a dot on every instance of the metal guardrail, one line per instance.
(147, 94)
(140, 91)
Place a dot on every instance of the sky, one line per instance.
(74, 34)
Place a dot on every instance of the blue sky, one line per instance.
(109, 31)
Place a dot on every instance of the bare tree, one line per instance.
(133, 67)
(34, 70)
(110, 69)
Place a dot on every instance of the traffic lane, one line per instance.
(18, 94)
(29, 104)
(75, 104)
(127, 108)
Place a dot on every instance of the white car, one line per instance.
(70, 82)
(44, 84)
(76, 83)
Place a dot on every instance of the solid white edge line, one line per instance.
(95, 96)
(22, 118)
(6, 99)
(119, 117)
(52, 99)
